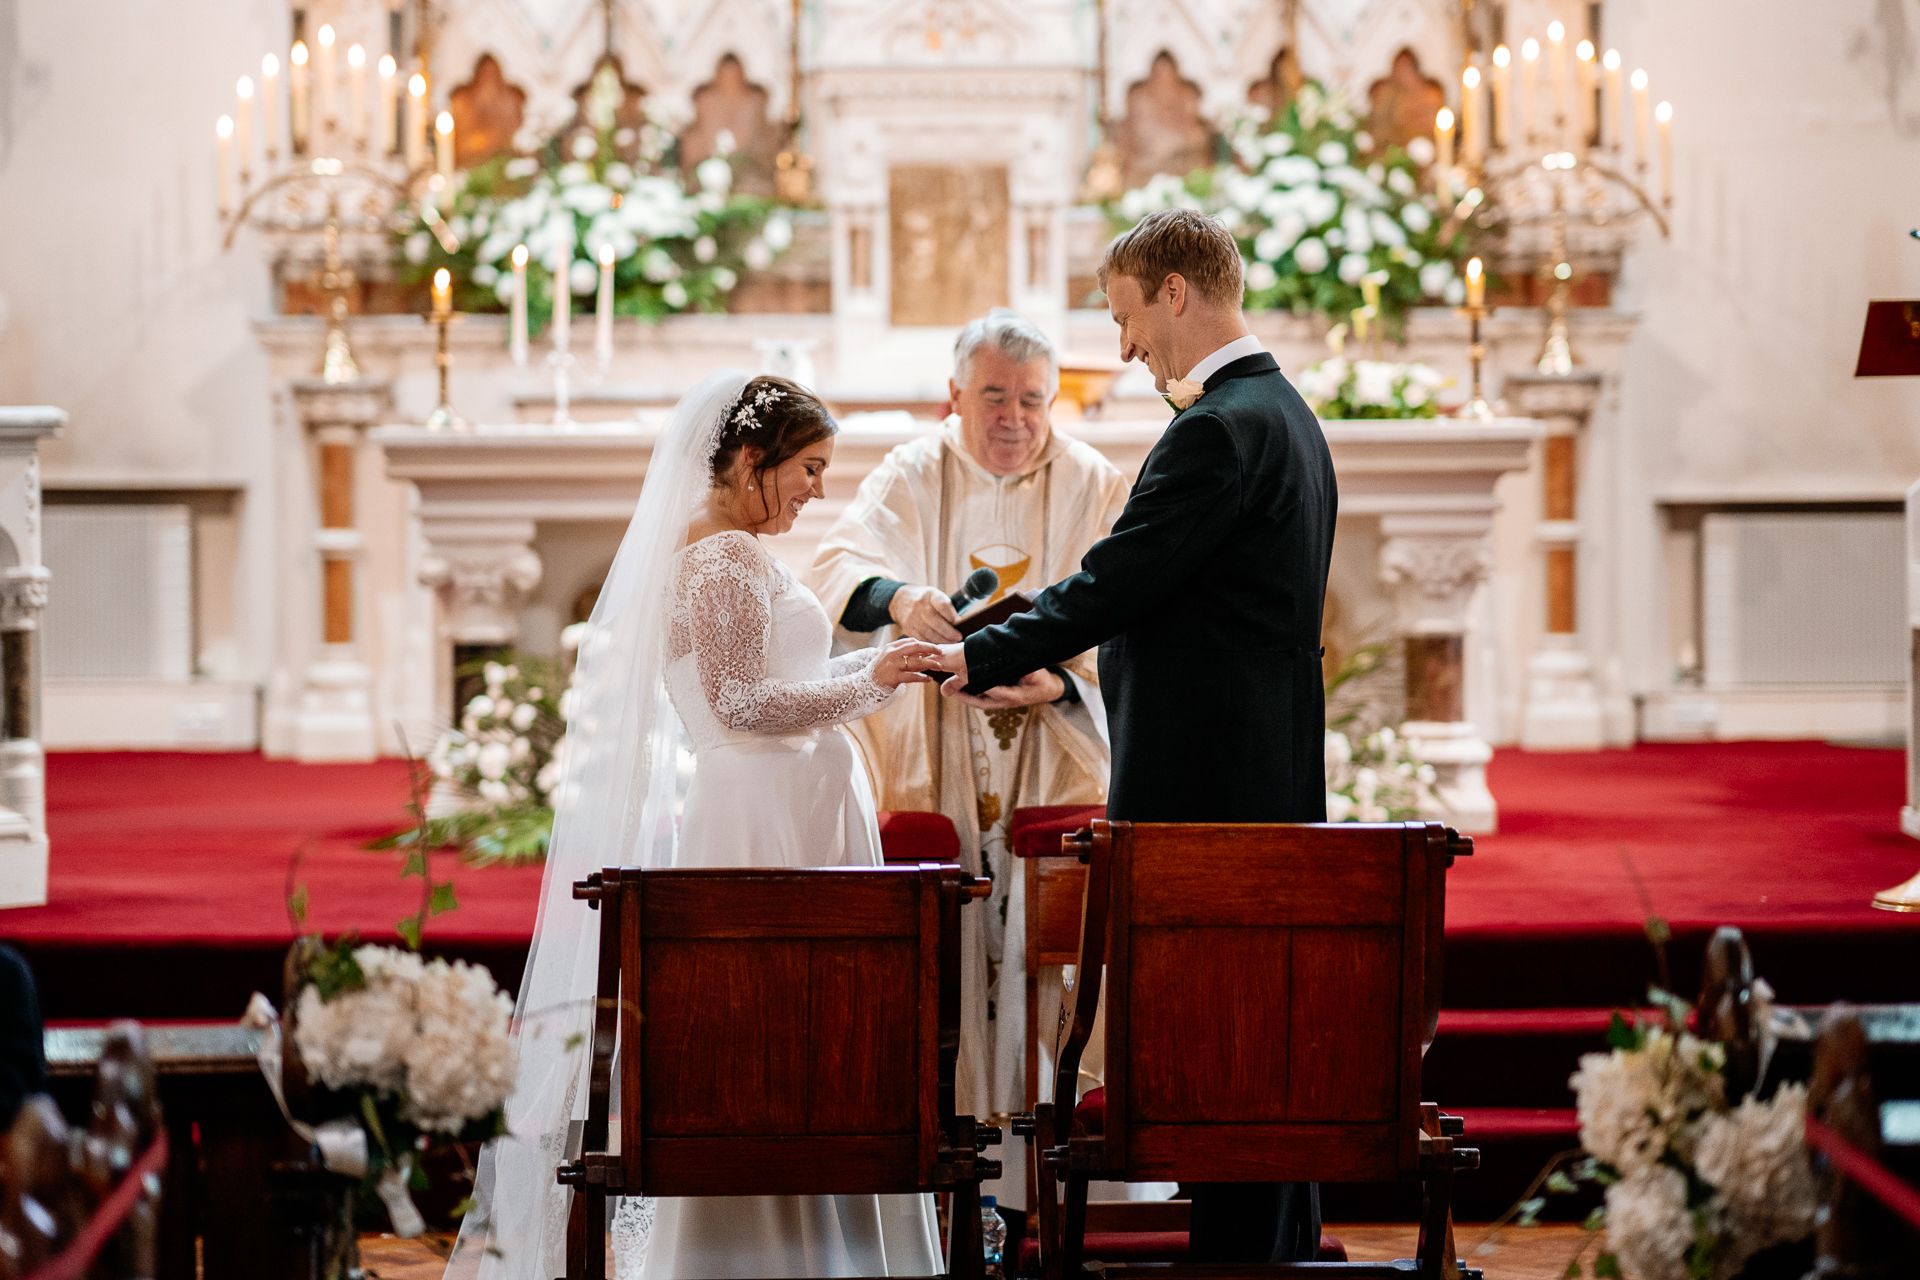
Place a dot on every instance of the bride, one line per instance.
(695, 608)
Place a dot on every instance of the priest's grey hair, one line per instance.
(1010, 333)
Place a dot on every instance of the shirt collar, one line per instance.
(1238, 349)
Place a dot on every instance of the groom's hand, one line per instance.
(951, 658)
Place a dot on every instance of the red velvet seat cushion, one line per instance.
(1148, 1246)
(1036, 832)
(1092, 1111)
(908, 835)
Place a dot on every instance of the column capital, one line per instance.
(482, 571)
(1549, 396)
(1433, 577)
(354, 405)
(23, 594)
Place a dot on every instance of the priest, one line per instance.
(994, 488)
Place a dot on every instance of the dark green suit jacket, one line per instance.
(1205, 602)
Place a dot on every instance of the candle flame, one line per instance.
(299, 55)
(1530, 50)
(417, 87)
(1443, 120)
(1471, 77)
(269, 66)
(443, 124)
(387, 66)
(606, 255)
(1474, 269)
(224, 127)
(1664, 112)
(1584, 51)
(326, 36)
(1502, 55)
(356, 56)
(442, 280)
(1612, 60)
(1556, 31)
(519, 256)
(1640, 79)
(244, 90)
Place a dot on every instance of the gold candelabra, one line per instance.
(1476, 406)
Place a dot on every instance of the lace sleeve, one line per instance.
(730, 611)
(848, 663)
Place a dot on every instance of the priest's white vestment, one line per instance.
(930, 515)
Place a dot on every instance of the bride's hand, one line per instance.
(905, 662)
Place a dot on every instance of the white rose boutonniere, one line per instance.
(1181, 393)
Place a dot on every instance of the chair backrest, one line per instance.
(782, 1031)
(1270, 991)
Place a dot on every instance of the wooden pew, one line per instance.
(779, 1032)
(1270, 992)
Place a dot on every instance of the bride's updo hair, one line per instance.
(775, 416)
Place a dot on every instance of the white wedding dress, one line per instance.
(776, 783)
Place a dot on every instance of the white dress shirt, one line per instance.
(1238, 349)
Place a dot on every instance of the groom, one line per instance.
(1205, 602)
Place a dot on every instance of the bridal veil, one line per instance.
(614, 807)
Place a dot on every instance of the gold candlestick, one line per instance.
(1476, 406)
(443, 418)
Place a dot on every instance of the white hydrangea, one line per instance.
(1648, 1224)
(460, 1065)
(1434, 276)
(1331, 153)
(1755, 1156)
(1353, 267)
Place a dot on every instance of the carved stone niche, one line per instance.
(630, 114)
(1277, 88)
(1163, 131)
(731, 102)
(487, 113)
(1405, 102)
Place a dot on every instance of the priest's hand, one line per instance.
(925, 613)
(1035, 688)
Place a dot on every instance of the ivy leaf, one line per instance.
(415, 865)
(1560, 1184)
(465, 1207)
(1596, 1221)
(297, 905)
(1606, 1267)
(409, 931)
(1573, 1271)
(1622, 1034)
(443, 899)
(1530, 1212)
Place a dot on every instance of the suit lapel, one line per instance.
(1245, 367)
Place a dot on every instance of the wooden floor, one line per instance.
(1537, 1253)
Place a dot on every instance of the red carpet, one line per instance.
(169, 872)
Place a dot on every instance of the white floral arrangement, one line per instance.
(1693, 1187)
(1317, 209)
(677, 244)
(1341, 388)
(428, 1035)
(1377, 780)
(495, 772)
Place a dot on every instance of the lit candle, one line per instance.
(443, 153)
(603, 310)
(323, 73)
(1583, 54)
(1470, 116)
(297, 101)
(1557, 76)
(1529, 89)
(1664, 114)
(388, 104)
(416, 126)
(518, 333)
(223, 129)
(269, 95)
(1443, 154)
(1640, 119)
(357, 94)
(243, 127)
(1501, 116)
(1476, 284)
(563, 297)
(1610, 130)
(442, 294)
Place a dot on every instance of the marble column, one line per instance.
(1563, 711)
(334, 718)
(24, 588)
(1433, 563)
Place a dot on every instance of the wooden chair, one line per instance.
(1270, 992)
(779, 1032)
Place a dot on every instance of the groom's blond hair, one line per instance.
(1183, 242)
